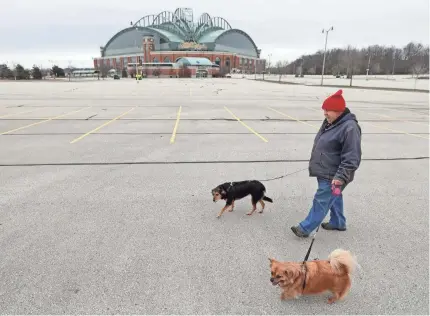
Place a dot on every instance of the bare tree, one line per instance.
(14, 69)
(418, 68)
(345, 61)
(268, 65)
(376, 68)
(413, 58)
(284, 66)
(104, 69)
(281, 68)
(278, 66)
(417, 54)
(312, 70)
(336, 69)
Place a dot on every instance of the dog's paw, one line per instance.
(331, 300)
(231, 210)
(218, 216)
(249, 213)
(260, 211)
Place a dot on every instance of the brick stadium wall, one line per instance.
(167, 72)
(247, 66)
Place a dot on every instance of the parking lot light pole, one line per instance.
(325, 49)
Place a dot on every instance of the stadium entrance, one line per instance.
(201, 73)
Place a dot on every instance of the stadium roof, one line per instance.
(210, 36)
(169, 35)
(177, 27)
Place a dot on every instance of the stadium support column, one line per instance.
(148, 46)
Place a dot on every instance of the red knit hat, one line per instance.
(335, 102)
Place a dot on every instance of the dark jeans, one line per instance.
(324, 201)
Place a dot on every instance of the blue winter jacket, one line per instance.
(336, 153)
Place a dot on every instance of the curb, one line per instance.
(345, 86)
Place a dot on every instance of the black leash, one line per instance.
(307, 256)
(280, 177)
(285, 175)
(313, 238)
(310, 247)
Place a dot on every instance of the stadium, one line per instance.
(172, 44)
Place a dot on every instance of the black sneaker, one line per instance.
(328, 226)
(298, 232)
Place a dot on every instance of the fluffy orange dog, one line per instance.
(315, 277)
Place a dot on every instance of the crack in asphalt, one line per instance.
(185, 162)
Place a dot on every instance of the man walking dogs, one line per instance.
(336, 155)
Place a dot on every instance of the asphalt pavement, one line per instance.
(106, 205)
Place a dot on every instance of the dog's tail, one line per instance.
(265, 198)
(342, 261)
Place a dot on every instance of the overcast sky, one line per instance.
(41, 31)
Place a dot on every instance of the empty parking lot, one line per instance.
(106, 205)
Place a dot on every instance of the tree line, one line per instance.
(20, 73)
(411, 59)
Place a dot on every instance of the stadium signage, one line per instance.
(192, 46)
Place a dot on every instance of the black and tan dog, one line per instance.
(232, 191)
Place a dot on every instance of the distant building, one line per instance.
(172, 44)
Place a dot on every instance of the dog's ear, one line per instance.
(271, 261)
(223, 193)
(292, 274)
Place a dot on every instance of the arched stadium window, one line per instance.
(227, 62)
(218, 61)
(167, 59)
(155, 60)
